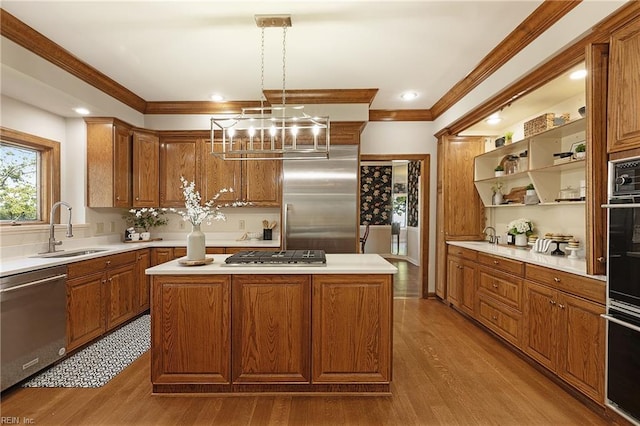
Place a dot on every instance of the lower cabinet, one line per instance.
(256, 333)
(102, 293)
(143, 261)
(566, 334)
(461, 283)
(191, 330)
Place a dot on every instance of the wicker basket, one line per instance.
(538, 124)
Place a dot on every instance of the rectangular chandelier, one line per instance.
(271, 133)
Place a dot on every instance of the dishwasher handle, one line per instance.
(33, 283)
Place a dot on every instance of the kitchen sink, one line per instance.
(73, 253)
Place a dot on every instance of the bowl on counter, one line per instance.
(254, 235)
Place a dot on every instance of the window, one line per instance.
(29, 177)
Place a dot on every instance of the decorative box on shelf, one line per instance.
(544, 122)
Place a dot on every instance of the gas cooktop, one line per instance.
(277, 258)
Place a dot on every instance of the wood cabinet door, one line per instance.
(441, 245)
(454, 278)
(122, 166)
(467, 287)
(624, 86)
(262, 182)
(540, 319)
(146, 164)
(178, 157)
(219, 174)
(191, 328)
(581, 352)
(464, 212)
(352, 328)
(121, 292)
(85, 309)
(143, 261)
(161, 255)
(271, 328)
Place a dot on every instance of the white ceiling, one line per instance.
(187, 50)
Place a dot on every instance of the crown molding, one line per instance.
(198, 107)
(400, 115)
(322, 96)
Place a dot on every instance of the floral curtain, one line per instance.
(375, 195)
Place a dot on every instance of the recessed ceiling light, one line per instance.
(408, 96)
(493, 119)
(577, 75)
(217, 97)
(82, 111)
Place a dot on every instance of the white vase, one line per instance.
(196, 244)
(521, 240)
(499, 173)
(497, 198)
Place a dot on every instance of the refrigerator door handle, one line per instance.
(285, 228)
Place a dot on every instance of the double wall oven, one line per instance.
(623, 287)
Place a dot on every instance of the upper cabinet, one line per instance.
(534, 162)
(109, 159)
(624, 85)
(146, 153)
(179, 156)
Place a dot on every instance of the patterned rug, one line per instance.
(95, 365)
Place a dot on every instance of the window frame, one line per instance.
(49, 171)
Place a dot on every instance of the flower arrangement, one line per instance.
(497, 187)
(520, 226)
(146, 218)
(196, 212)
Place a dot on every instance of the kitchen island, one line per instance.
(276, 328)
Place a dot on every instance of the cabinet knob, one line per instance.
(495, 285)
(601, 259)
(561, 306)
(104, 281)
(495, 262)
(553, 302)
(556, 279)
(494, 317)
(117, 198)
(137, 198)
(110, 279)
(108, 262)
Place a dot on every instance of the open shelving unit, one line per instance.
(541, 168)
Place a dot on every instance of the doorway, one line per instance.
(399, 219)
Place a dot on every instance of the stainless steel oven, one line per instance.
(623, 289)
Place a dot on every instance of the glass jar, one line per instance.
(511, 165)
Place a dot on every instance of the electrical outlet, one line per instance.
(99, 228)
(241, 224)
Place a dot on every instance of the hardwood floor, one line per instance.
(407, 282)
(447, 371)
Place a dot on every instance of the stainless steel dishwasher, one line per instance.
(33, 322)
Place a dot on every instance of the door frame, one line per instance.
(425, 170)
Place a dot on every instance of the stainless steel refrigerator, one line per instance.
(320, 202)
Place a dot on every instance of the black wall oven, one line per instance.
(623, 289)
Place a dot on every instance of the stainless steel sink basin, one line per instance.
(72, 253)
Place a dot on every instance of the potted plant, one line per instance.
(142, 220)
(581, 151)
(499, 170)
(508, 137)
(521, 228)
(530, 189)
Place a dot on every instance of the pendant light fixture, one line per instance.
(274, 132)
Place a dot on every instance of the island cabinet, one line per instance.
(461, 278)
(101, 294)
(290, 332)
(191, 333)
(499, 296)
(271, 323)
(352, 331)
(563, 328)
(109, 158)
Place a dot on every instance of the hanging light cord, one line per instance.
(284, 63)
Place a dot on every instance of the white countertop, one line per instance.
(561, 263)
(336, 264)
(18, 264)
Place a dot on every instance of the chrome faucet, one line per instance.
(52, 239)
(493, 239)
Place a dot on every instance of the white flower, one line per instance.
(196, 212)
(519, 226)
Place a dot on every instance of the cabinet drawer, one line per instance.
(182, 251)
(588, 288)
(506, 288)
(86, 267)
(462, 252)
(503, 264)
(501, 319)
